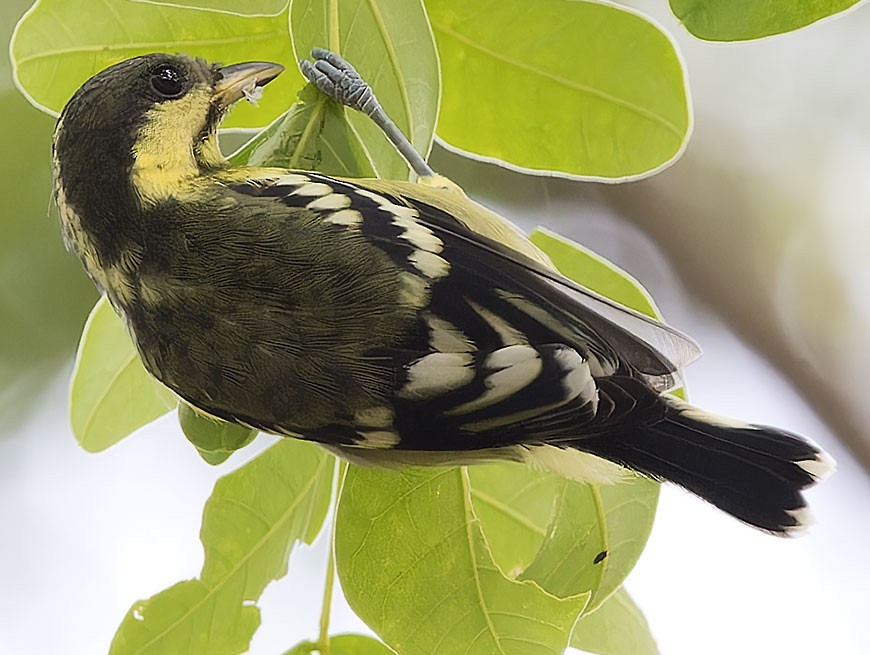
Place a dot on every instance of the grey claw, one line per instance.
(318, 77)
(339, 62)
(307, 69)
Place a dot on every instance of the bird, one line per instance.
(396, 323)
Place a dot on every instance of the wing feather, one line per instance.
(620, 339)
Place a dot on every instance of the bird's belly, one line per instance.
(256, 365)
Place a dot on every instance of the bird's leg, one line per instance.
(339, 80)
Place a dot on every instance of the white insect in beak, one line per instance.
(253, 92)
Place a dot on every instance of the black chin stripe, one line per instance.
(209, 127)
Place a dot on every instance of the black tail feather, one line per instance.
(754, 473)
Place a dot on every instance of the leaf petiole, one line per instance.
(322, 644)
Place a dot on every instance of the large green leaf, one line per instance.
(582, 88)
(111, 393)
(414, 565)
(250, 523)
(739, 20)
(59, 44)
(616, 628)
(390, 43)
(10, 12)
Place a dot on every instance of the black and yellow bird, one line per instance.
(393, 322)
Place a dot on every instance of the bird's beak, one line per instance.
(234, 82)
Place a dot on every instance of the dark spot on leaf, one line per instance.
(600, 557)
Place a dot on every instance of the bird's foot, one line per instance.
(335, 77)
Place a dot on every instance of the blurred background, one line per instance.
(757, 243)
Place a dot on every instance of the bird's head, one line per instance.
(152, 119)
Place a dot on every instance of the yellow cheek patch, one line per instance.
(163, 155)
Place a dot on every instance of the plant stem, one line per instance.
(322, 645)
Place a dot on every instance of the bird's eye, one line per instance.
(167, 81)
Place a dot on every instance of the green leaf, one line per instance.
(215, 440)
(390, 44)
(10, 12)
(152, 626)
(314, 134)
(618, 627)
(243, 8)
(739, 20)
(250, 523)
(344, 645)
(585, 267)
(582, 88)
(111, 394)
(596, 538)
(59, 44)
(415, 566)
(357, 645)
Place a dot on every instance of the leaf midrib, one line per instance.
(96, 406)
(393, 57)
(508, 511)
(470, 521)
(307, 132)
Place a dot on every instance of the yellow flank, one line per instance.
(162, 163)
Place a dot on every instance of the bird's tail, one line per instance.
(755, 473)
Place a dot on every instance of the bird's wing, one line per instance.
(470, 277)
(449, 202)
